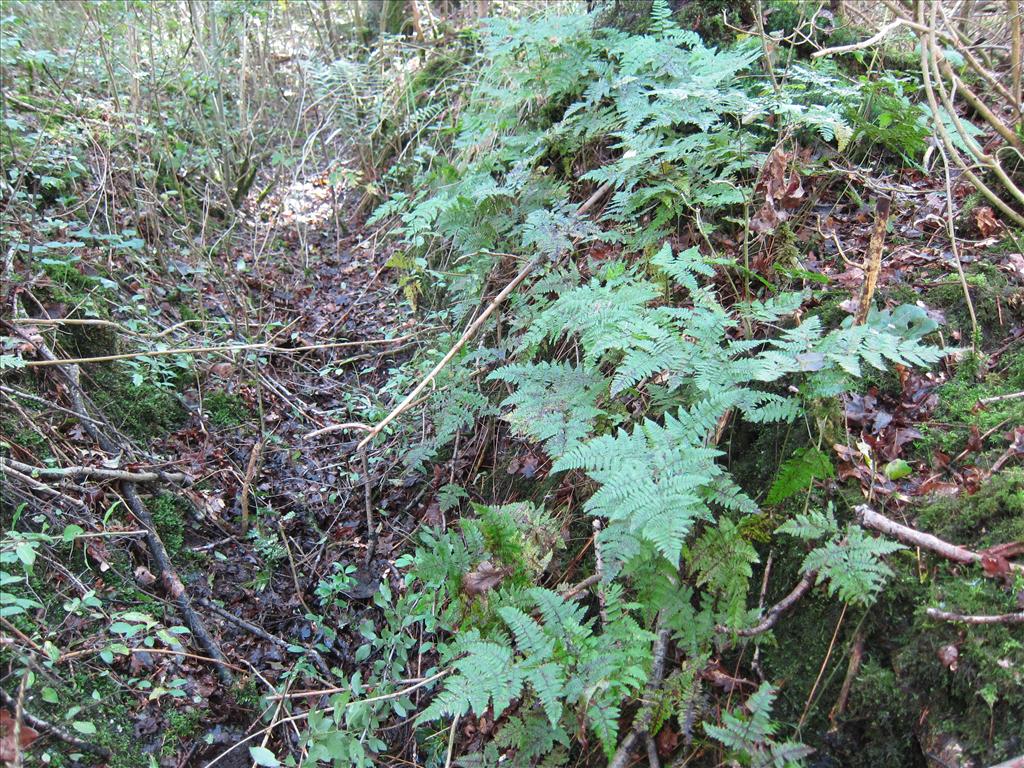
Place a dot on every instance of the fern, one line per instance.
(721, 559)
(849, 560)
(654, 480)
(485, 678)
(554, 403)
(752, 734)
(798, 472)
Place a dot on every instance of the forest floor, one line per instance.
(292, 331)
(239, 431)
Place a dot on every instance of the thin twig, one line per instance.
(470, 331)
(951, 227)
(358, 425)
(328, 691)
(304, 715)
(371, 529)
(1000, 398)
(884, 32)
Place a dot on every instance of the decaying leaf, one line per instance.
(949, 655)
(985, 220)
(483, 578)
(9, 750)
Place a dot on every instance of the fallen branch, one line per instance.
(100, 472)
(168, 575)
(55, 730)
(871, 519)
(31, 482)
(265, 346)
(961, 618)
(255, 629)
(772, 616)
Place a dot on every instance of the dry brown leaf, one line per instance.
(8, 749)
(985, 220)
(483, 578)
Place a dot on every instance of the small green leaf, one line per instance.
(263, 756)
(897, 469)
(84, 726)
(49, 695)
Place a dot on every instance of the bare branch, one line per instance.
(961, 618)
(776, 612)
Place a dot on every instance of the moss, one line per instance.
(143, 410)
(226, 409)
(181, 727)
(992, 297)
(248, 694)
(994, 515)
(105, 704)
(169, 519)
(20, 435)
(959, 407)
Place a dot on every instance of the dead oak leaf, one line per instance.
(482, 579)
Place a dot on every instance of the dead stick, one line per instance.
(1000, 398)
(371, 529)
(265, 346)
(100, 472)
(257, 630)
(40, 486)
(873, 265)
(250, 473)
(852, 668)
(960, 618)
(776, 611)
(575, 590)
(871, 519)
(642, 725)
